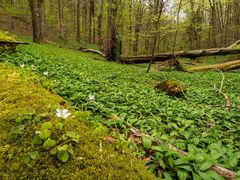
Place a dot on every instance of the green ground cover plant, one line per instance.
(123, 96)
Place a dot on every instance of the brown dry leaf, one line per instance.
(110, 139)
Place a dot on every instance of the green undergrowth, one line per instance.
(125, 97)
(36, 144)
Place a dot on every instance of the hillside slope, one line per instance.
(31, 132)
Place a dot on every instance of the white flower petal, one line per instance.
(59, 112)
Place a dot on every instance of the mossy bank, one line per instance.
(36, 144)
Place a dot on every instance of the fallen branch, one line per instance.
(92, 51)
(222, 66)
(230, 175)
(234, 44)
(228, 103)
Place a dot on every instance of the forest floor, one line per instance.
(123, 96)
(35, 143)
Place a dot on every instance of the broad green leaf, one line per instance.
(214, 175)
(63, 156)
(49, 143)
(45, 134)
(146, 142)
(180, 161)
(34, 155)
(73, 135)
(205, 165)
(59, 126)
(204, 175)
(54, 151)
(46, 126)
(62, 148)
(185, 167)
(37, 140)
(26, 158)
(167, 176)
(70, 150)
(182, 174)
(171, 162)
(233, 161)
(196, 176)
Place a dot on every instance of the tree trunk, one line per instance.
(91, 14)
(35, 29)
(100, 21)
(78, 20)
(41, 9)
(60, 17)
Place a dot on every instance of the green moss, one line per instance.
(24, 101)
(5, 36)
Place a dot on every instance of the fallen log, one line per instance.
(193, 54)
(223, 66)
(92, 51)
(11, 45)
(228, 174)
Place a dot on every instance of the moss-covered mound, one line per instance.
(172, 88)
(37, 144)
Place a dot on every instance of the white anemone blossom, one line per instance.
(91, 97)
(45, 73)
(22, 65)
(63, 113)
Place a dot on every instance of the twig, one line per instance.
(228, 103)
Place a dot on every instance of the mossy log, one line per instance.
(193, 54)
(223, 66)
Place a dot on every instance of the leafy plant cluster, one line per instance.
(61, 147)
(128, 93)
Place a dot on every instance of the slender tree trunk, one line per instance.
(60, 17)
(78, 20)
(35, 30)
(41, 9)
(175, 62)
(100, 21)
(159, 8)
(91, 14)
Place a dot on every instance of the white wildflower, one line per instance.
(37, 132)
(91, 97)
(63, 113)
(45, 73)
(22, 65)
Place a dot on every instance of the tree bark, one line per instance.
(35, 29)
(41, 9)
(78, 20)
(60, 17)
(100, 21)
(193, 54)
